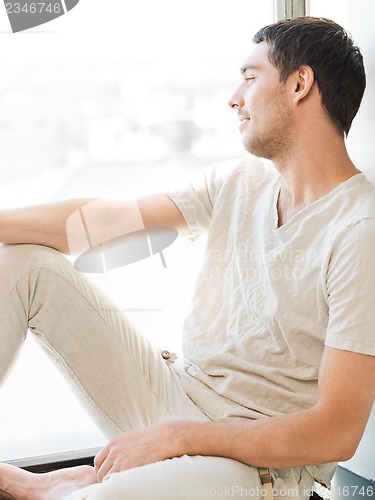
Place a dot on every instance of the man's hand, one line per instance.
(328, 432)
(140, 447)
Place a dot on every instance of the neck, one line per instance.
(310, 173)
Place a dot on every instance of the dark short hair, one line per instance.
(330, 51)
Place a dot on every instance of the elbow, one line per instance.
(338, 435)
(333, 452)
(342, 448)
(349, 437)
(347, 451)
(343, 456)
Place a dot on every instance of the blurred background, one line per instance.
(118, 99)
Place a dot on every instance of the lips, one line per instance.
(244, 121)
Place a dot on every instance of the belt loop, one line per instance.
(266, 480)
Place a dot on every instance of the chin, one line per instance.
(253, 148)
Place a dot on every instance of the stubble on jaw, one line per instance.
(274, 137)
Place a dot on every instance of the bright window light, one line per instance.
(114, 99)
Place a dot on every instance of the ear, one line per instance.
(302, 81)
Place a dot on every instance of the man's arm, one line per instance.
(47, 224)
(328, 432)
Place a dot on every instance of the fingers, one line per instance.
(99, 458)
(128, 450)
(101, 462)
(107, 460)
(105, 468)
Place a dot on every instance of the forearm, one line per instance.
(330, 431)
(41, 225)
(74, 226)
(303, 438)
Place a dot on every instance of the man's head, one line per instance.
(330, 52)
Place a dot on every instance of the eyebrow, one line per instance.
(249, 66)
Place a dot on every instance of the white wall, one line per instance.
(358, 17)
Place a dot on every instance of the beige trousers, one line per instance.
(120, 378)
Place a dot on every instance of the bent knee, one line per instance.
(17, 260)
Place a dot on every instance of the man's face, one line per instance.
(262, 105)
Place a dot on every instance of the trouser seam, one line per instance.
(75, 290)
(77, 380)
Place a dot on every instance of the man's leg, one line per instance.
(196, 477)
(121, 378)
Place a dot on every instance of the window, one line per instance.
(115, 99)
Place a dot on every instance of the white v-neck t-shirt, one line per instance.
(268, 298)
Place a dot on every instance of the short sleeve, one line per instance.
(351, 290)
(196, 199)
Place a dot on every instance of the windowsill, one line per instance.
(47, 463)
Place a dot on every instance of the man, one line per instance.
(278, 369)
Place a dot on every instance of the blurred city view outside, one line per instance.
(70, 119)
(82, 131)
(116, 127)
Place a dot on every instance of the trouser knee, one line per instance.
(18, 260)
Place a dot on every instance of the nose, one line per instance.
(236, 100)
